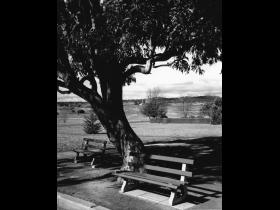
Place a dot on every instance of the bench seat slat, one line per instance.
(96, 140)
(168, 170)
(156, 178)
(172, 159)
(87, 151)
(144, 179)
(93, 146)
(89, 147)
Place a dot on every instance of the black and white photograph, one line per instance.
(139, 104)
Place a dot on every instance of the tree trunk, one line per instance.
(112, 116)
(123, 137)
(126, 141)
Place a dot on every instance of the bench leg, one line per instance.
(172, 198)
(178, 196)
(127, 186)
(76, 157)
(92, 163)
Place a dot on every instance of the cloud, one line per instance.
(172, 83)
(176, 84)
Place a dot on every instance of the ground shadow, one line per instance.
(206, 153)
(79, 180)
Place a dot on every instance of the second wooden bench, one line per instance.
(91, 147)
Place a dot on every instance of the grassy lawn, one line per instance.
(201, 142)
(70, 131)
(70, 134)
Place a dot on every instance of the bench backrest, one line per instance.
(94, 143)
(183, 172)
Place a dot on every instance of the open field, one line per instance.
(70, 131)
(201, 142)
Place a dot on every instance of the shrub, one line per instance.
(213, 110)
(206, 109)
(137, 102)
(154, 108)
(91, 124)
(216, 117)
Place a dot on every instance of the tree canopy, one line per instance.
(129, 32)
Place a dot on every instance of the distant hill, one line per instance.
(195, 99)
(198, 99)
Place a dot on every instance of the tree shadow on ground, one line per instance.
(70, 173)
(206, 153)
(79, 180)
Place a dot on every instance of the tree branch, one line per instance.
(61, 84)
(164, 56)
(90, 77)
(84, 92)
(162, 65)
(63, 91)
(70, 80)
(146, 69)
(137, 68)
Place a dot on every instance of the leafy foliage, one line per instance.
(91, 124)
(213, 110)
(154, 107)
(91, 33)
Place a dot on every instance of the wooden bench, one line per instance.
(178, 186)
(91, 147)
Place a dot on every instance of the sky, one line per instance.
(171, 82)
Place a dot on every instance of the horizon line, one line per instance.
(82, 100)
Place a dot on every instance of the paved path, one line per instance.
(100, 187)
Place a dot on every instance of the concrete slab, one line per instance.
(157, 199)
(153, 197)
(214, 204)
(98, 187)
(135, 192)
(181, 206)
(72, 203)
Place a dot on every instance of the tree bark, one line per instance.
(123, 137)
(112, 116)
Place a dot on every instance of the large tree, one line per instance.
(107, 42)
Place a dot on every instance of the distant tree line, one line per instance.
(213, 110)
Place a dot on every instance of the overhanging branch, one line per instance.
(137, 68)
(146, 69)
(63, 91)
(166, 64)
(91, 79)
(62, 84)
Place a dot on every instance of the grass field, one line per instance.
(70, 131)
